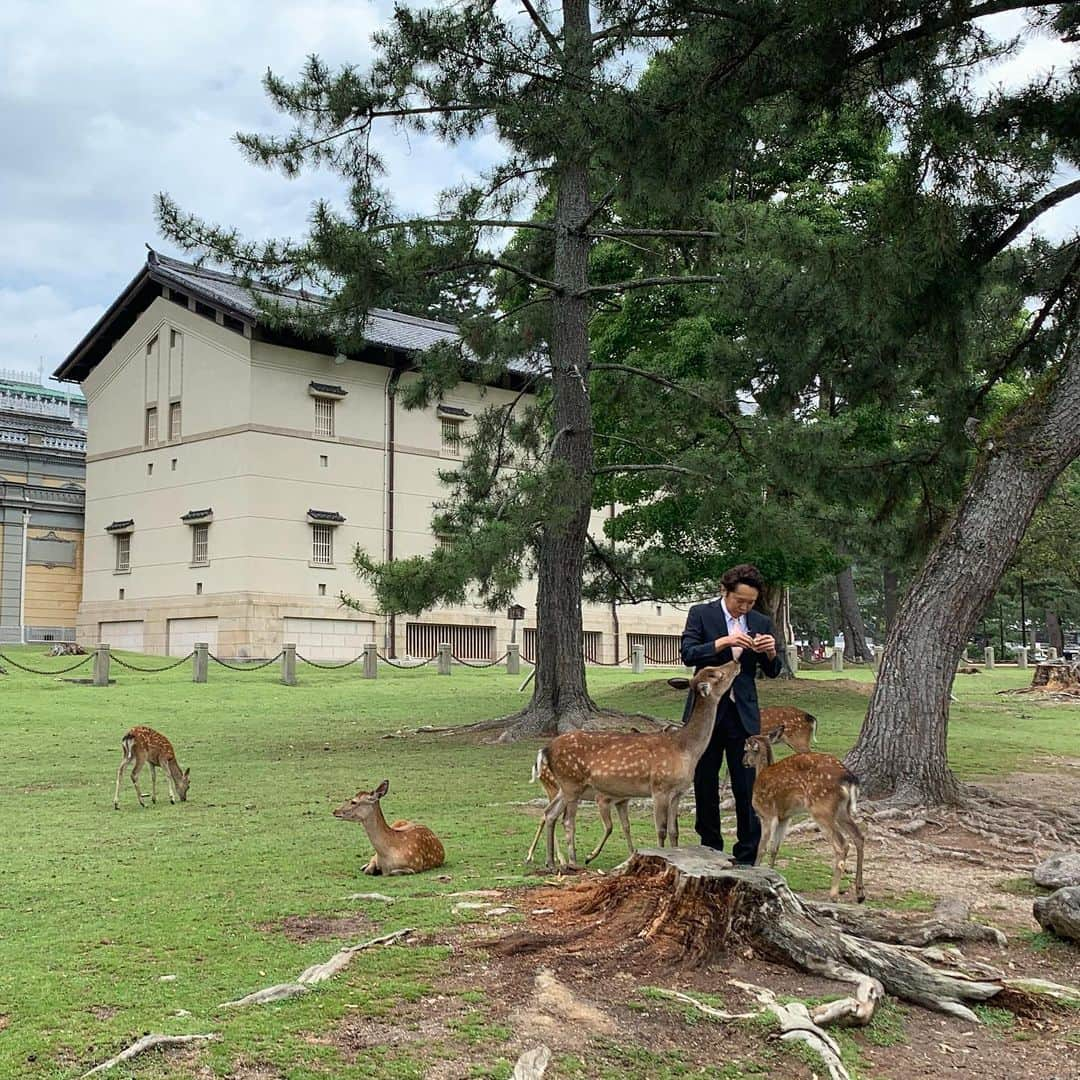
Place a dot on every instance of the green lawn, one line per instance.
(98, 906)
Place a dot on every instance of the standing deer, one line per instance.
(543, 773)
(819, 783)
(142, 746)
(797, 727)
(625, 766)
(401, 848)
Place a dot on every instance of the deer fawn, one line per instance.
(542, 773)
(401, 848)
(142, 746)
(625, 766)
(798, 728)
(818, 783)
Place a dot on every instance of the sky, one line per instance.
(104, 105)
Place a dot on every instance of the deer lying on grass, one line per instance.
(818, 783)
(543, 773)
(401, 848)
(798, 728)
(142, 746)
(626, 766)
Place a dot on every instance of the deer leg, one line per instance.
(153, 784)
(768, 827)
(400, 870)
(539, 830)
(673, 819)
(125, 761)
(623, 809)
(570, 825)
(661, 804)
(135, 770)
(847, 823)
(603, 804)
(372, 867)
(551, 816)
(777, 838)
(836, 838)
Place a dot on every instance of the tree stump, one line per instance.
(1057, 675)
(691, 905)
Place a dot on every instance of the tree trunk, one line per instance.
(775, 601)
(890, 587)
(1054, 634)
(560, 699)
(851, 621)
(902, 746)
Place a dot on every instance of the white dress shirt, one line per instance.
(734, 623)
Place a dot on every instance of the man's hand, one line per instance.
(765, 643)
(738, 639)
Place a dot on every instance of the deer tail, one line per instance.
(538, 765)
(850, 783)
(813, 727)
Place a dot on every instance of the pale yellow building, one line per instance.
(231, 472)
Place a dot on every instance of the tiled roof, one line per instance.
(328, 388)
(116, 526)
(193, 515)
(325, 515)
(36, 390)
(452, 410)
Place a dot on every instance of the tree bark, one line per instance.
(890, 587)
(775, 601)
(901, 750)
(1054, 633)
(851, 620)
(560, 700)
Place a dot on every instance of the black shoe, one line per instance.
(742, 866)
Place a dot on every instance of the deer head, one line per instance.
(709, 681)
(363, 804)
(758, 750)
(182, 783)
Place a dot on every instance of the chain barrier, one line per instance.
(527, 659)
(246, 667)
(150, 670)
(608, 663)
(478, 663)
(407, 667)
(663, 663)
(35, 671)
(329, 667)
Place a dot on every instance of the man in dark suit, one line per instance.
(723, 630)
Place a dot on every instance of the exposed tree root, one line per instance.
(689, 906)
(148, 1042)
(527, 724)
(950, 922)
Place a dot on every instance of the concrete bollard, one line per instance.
(513, 659)
(101, 665)
(838, 660)
(444, 658)
(371, 661)
(1051, 653)
(201, 663)
(637, 659)
(793, 658)
(988, 657)
(288, 664)
(1022, 657)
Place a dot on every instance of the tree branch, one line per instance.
(652, 377)
(681, 470)
(689, 234)
(650, 283)
(479, 223)
(1026, 217)
(545, 30)
(499, 264)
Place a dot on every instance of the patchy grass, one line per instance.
(99, 906)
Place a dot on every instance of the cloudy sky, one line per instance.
(104, 104)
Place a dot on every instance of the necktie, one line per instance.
(736, 650)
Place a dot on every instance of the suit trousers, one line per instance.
(728, 740)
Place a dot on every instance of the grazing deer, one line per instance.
(145, 746)
(798, 728)
(543, 773)
(401, 848)
(819, 783)
(625, 766)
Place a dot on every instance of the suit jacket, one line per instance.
(707, 622)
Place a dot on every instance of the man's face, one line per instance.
(740, 599)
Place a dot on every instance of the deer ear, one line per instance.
(679, 684)
(187, 771)
(382, 789)
(776, 734)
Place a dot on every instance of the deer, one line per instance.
(798, 728)
(633, 765)
(401, 848)
(818, 783)
(543, 773)
(145, 746)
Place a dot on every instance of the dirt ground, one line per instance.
(586, 992)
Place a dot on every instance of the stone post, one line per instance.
(1022, 657)
(201, 662)
(637, 659)
(513, 659)
(101, 665)
(988, 657)
(444, 658)
(838, 659)
(793, 658)
(1051, 653)
(371, 660)
(288, 664)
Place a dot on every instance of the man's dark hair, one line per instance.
(743, 574)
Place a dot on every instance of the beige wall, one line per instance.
(248, 451)
(53, 592)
